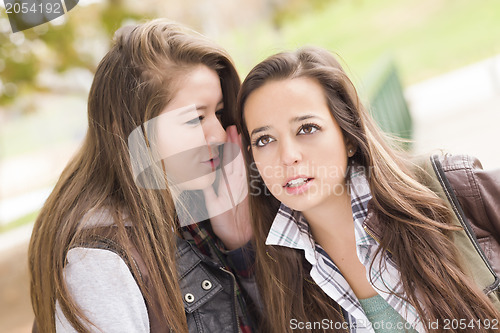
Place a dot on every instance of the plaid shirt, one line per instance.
(235, 261)
(291, 229)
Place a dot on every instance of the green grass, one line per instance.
(23, 220)
(426, 37)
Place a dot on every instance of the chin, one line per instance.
(198, 183)
(297, 203)
(301, 203)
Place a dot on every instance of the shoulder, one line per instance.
(89, 270)
(95, 261)
(467, 177)
(463, 174)
(436, 171)
(477, 190)
(105, 217)
(102, 285)
(461, 170)
(459, 162)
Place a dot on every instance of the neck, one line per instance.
(331, 220)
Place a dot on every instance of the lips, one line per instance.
(298, 185)
(297, 181)
(213, 162)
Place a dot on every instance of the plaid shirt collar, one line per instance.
(290, 229)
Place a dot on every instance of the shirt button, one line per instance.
(189, 298)
(206, 285)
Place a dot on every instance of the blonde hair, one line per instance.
(133, 82)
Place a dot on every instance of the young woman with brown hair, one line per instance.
(349, 235)
(109, 250)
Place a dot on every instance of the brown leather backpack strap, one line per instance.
(157, 323)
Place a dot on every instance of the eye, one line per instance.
(263, 141)
(195, 121)
(308, 129)
(219, 113)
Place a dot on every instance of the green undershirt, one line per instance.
(383, 317)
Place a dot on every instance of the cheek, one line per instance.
(165, 146)
(272, 176)
(334, 151)
(332, 168)
(180, 140)
(273, 184)
(192, 138)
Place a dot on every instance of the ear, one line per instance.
(350, 149)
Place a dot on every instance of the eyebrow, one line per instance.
(293, 120)
(259, 129)
(204, 107)
(304, 117)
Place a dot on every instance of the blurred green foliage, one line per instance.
(426, 37)
(14, 67)
(54, 47)
(62, 38)
(23, 59)
(288, 11)
(114, 14)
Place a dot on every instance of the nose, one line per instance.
(214, 132)
(290, 153)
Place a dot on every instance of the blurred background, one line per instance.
(428, 70)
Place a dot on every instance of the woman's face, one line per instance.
(189, 130)
(297, 146)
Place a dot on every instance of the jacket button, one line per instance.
(189, 298)
(206, 285)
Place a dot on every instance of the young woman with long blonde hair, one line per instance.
(116, 248)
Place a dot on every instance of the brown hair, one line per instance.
(134, 82)
(414, 220)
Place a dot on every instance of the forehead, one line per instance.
(280, 100)
(200, 86)
(199, 79)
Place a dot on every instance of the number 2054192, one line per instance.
(454, 324)
(36, 8)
